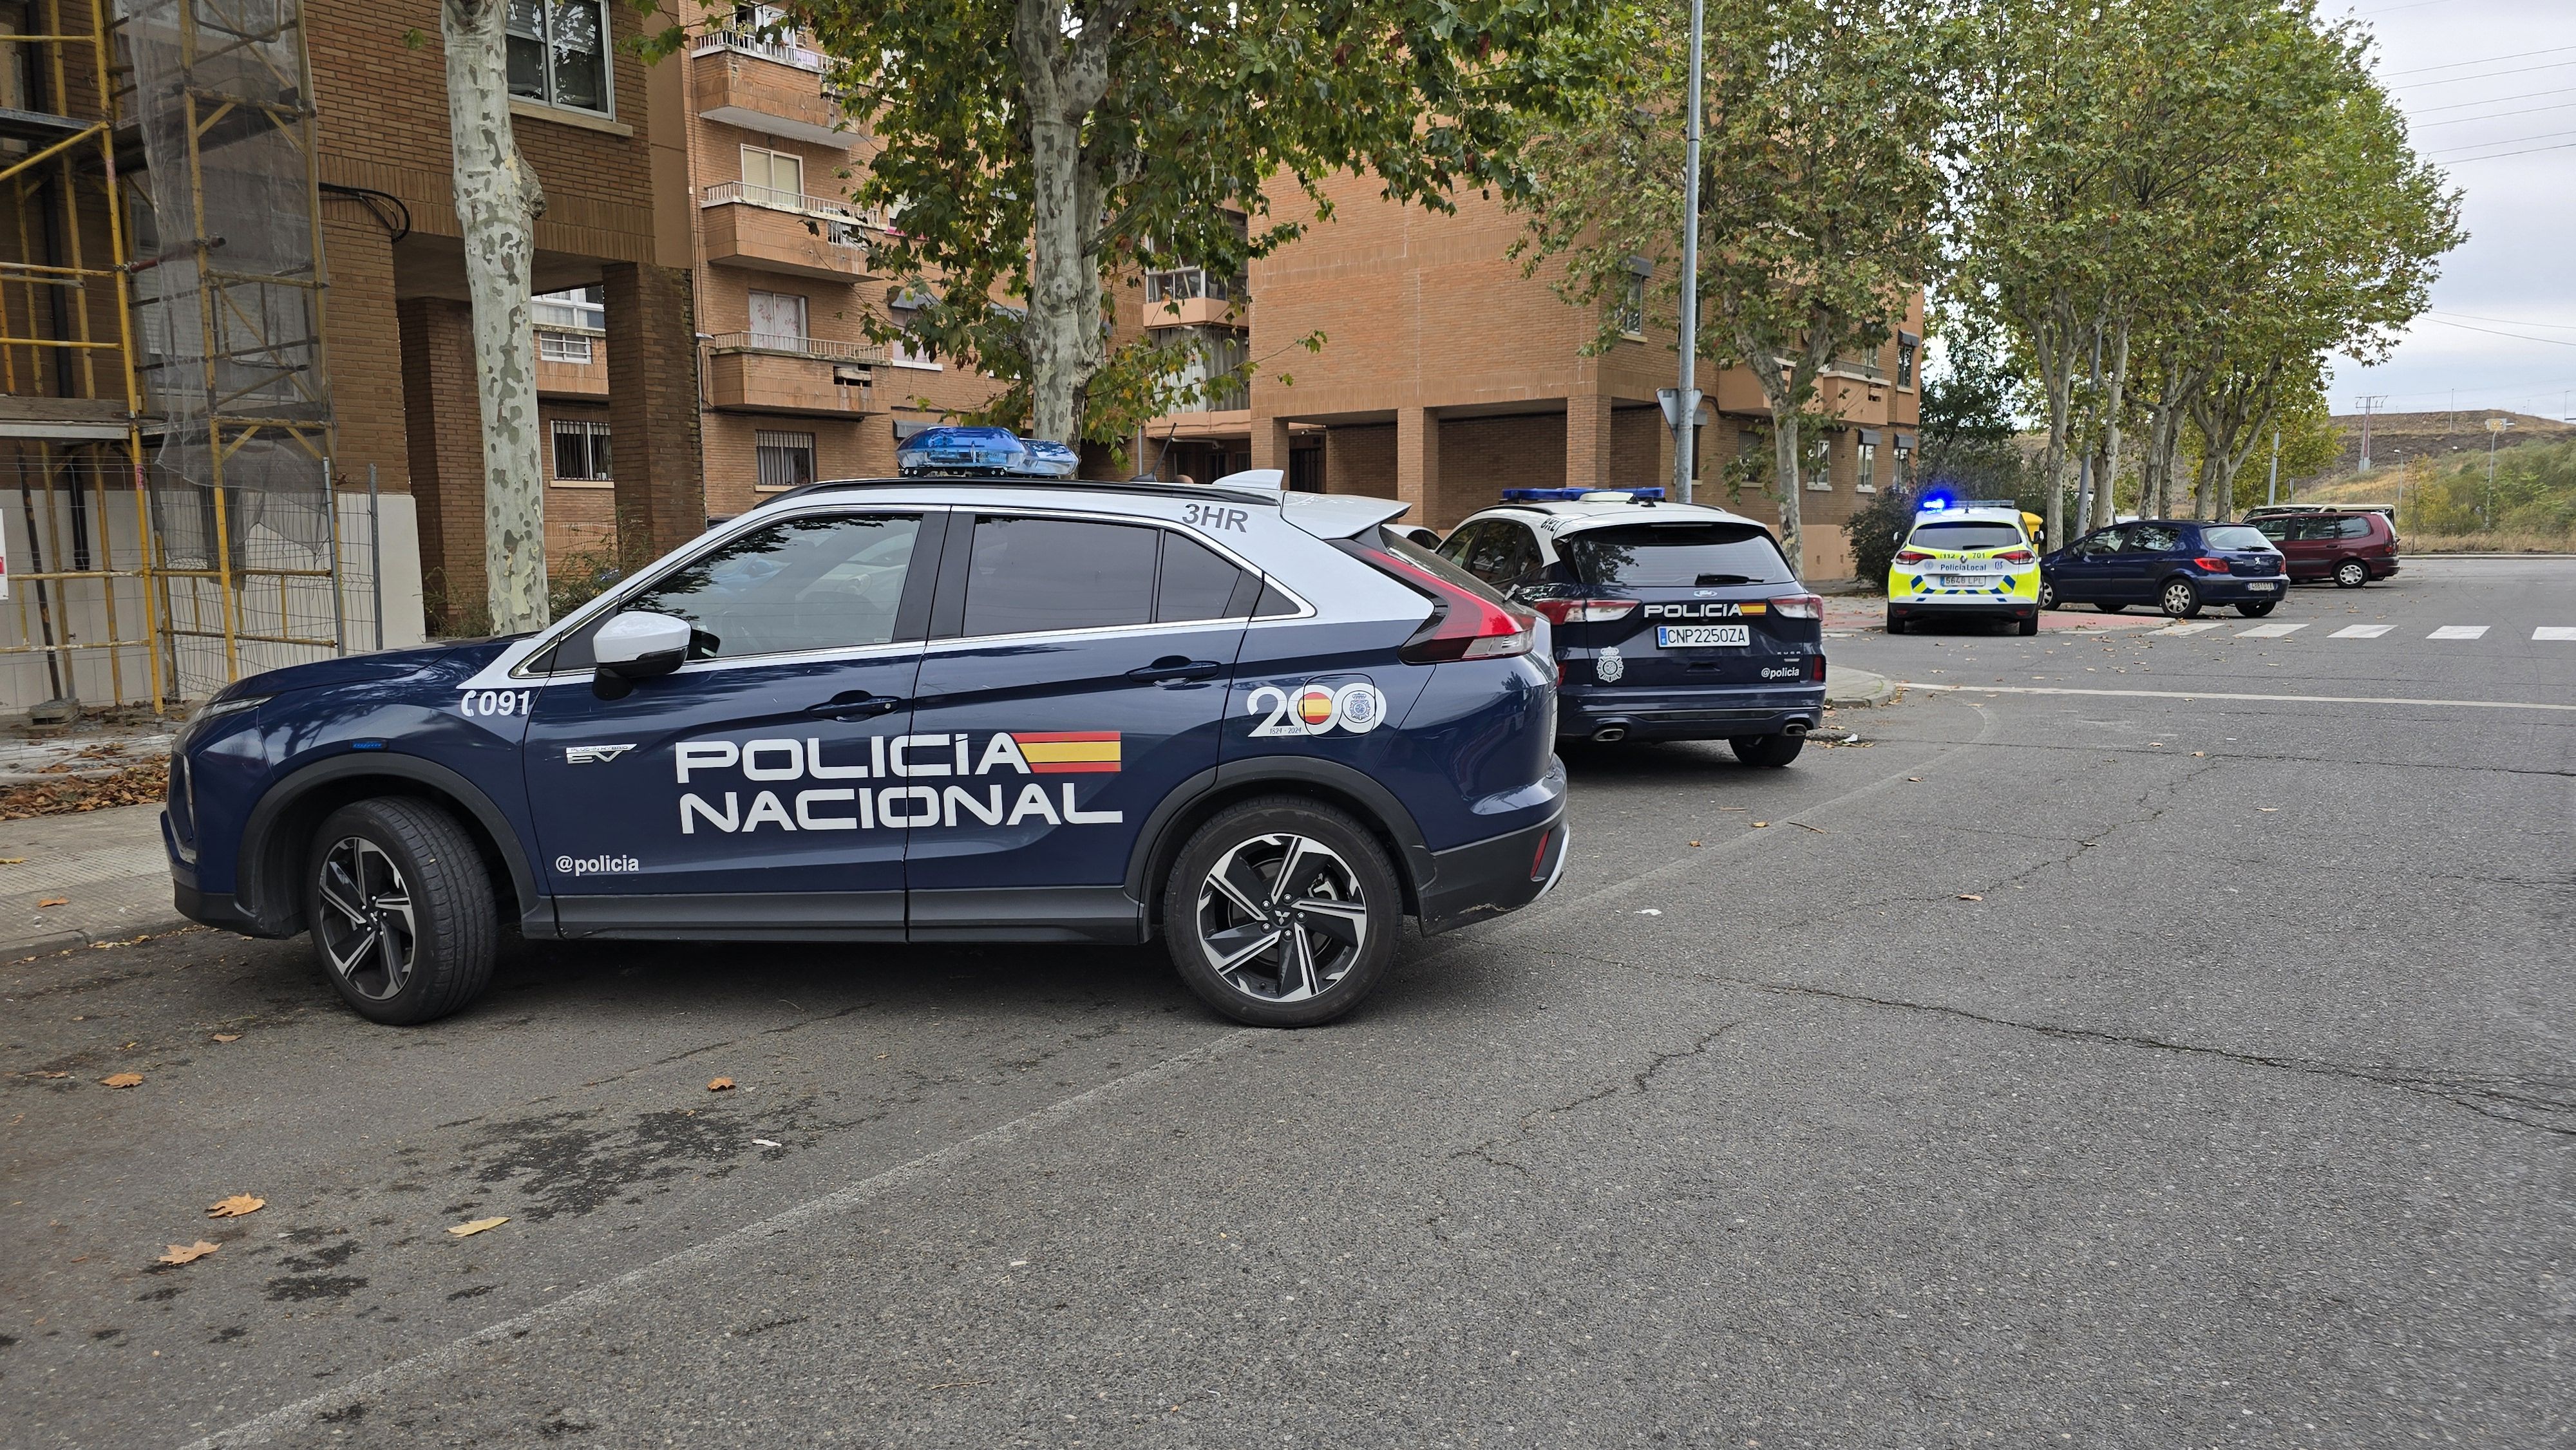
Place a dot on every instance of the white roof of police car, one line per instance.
(1982, 516)
(1558, 517)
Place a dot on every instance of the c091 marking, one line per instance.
(497, 702)
(1210, 516)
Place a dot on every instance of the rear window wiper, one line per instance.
(1726, 579)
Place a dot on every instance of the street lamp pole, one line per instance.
(2495, 430)
(1684, 414)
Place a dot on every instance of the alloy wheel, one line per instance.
(2180, 599)
(2047, 595)
(367, 928)
(1281, 918)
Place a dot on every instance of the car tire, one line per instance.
(1769, 751)
(2180, 600)
(402, 910)
(2351, 574)
(2259, 609)
(1298, 960)
(2026, 627)
(1895, 622)
(2047, 594)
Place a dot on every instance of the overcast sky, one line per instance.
(2489, 88)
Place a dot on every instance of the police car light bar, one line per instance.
(1570, 495)
(986, 451)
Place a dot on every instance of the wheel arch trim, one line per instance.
(261, 870)
(1188, 805)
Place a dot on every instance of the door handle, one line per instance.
(855, 705)
(1175, 667)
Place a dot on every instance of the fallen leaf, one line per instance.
(1694, 843)
(1918, 780)
(123, 1080)
(189, 1253)
(53, 901)
(468, 1230)
(13, 860)
(1970, 896)
(768, 1142)
(2267, 810)
(2200, 752)
(1759, 824)
(53, 1074)
(235, 1206)
(720, 1085)
(1802, 825)
(228, 1037)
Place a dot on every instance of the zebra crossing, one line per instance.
(2283, 629)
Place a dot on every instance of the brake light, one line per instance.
(1583, 611)
(1912, 556)
(1817, 673)
(2213, 566)
(2016, 556)
(1798, 606)
(1465, 626)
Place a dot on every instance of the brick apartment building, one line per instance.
(1447, 376)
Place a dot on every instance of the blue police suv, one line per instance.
(1258, 725)
(1672, 621)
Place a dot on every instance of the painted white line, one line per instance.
(2361, 631)
(2555, 631)
(2189, 628)
(2218, 695)
(576, 1306)
(2458, 631)
(2271, 631)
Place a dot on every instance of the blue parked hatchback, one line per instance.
(2178, 565)
(1255, 724)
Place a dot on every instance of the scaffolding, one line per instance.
(165, 417)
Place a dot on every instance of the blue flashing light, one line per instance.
(983, 450)
(1569, 495)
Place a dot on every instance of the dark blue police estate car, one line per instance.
(1255, 724)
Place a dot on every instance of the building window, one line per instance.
(581, 451)
(786, 459)
(778, 321)
(559, 53)
(563, 347)
(1819, 467)
(1631, 312)
(1865, 467)
(1904, 463)
(906, 350)
(1906, 346)
(772, 178)
(1218, 358)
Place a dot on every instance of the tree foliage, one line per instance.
(1822, 193)
(1033, 152)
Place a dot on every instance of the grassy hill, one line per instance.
(2444, 502)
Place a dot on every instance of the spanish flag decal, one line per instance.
(1068, 752)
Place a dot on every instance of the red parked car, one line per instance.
(2350, 548)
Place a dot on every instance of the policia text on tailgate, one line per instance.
(1257, 725)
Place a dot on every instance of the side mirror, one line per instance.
(1427, 538)
(636, 646)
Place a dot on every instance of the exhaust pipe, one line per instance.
(1610, 733)
(1797, 729)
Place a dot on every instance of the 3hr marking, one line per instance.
(1211, 516)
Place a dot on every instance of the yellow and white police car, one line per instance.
(1971, 560)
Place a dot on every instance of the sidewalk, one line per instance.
(1848, 615)
(107, 869)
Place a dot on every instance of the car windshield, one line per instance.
(2234, 536)
(1675, 555)
(1965, 534)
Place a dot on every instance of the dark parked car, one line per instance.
(2178, 565)
(2350, 548)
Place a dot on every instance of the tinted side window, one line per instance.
(1503, 550)
(822, 581)
(1454, 548)
(2354, 528)
(2150, 539)
(2275, 529)
(1036, 574)
(1196, 581)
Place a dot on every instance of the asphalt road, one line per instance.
(2158, 1067)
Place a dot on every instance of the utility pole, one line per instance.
(2272, 488)
(1683, 414)
(2495, 430)
(2368, 403)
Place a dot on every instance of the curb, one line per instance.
(66, 941)
(1847, 689)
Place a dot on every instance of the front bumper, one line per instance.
(1966, 606)
(1584, 712)
(1491, 877)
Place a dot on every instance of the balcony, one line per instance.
(1193, 297)
(756, 373)
(781, 231)
(772, 86)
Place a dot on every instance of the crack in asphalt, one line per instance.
(1638, 1084)
(2490, 1095)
